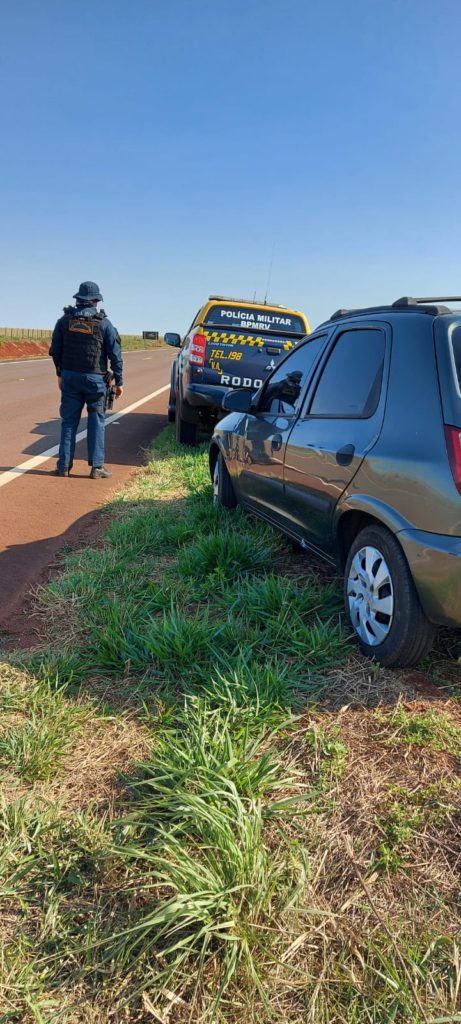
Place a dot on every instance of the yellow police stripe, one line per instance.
(242, 339)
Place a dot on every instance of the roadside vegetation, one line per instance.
(11, 346)
(213, 809)
(136, 343)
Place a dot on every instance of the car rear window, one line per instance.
(260, 319)
(456, 351)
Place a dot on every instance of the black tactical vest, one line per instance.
(83, 348)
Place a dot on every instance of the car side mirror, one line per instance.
(173, 339)
(238, 401)
(286, 390)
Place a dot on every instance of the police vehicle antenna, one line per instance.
(271, 262)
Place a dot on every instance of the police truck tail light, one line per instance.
(198, 350)
(453, 439)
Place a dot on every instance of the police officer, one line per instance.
(83, 341)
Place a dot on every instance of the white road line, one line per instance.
(16, 362)
(24, 467)
(46, 359)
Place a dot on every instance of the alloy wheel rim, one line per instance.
(370, 596)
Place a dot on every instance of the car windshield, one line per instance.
(257, 318)
(456, 349)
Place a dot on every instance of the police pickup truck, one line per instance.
(231, 343)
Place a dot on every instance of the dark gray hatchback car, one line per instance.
(353, 448)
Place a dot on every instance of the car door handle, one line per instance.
(276, 443)
(345, 455)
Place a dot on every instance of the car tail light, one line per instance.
(198, 350)
(453, 439)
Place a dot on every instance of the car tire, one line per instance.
(223, 491)
(171, 407)
(186, 433)
(382, 604)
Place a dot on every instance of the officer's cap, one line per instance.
(88, 290)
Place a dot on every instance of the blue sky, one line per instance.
(167, 148)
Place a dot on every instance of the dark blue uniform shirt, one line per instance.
(111, 344)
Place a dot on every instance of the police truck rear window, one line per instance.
(262, 319)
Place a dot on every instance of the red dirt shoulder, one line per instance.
(23, 350)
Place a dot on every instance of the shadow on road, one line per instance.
(48, 433)
(26, 566)
(125, 441)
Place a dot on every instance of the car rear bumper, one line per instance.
(205, 396)
(208, 395)
(435, 563)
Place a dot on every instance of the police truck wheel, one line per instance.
(382, 604)
(186, 433)
(223, 491)
(171, 407)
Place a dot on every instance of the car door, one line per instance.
(340, 424)
(262, 444)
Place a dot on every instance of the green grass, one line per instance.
(215, 600)
(430, 728)
(201, 802)
(408, 813)
(36, 727)
(208, 877)
(135, 342)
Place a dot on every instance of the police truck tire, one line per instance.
(171, 407)
(223, 491)
(186, 433)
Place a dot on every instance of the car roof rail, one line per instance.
(406, 300)
(342, 312)
(431, 306)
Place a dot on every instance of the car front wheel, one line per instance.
(382, 604)
(223, 491)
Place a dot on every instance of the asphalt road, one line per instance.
(40, 513)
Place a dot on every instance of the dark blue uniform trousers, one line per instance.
(78, 390)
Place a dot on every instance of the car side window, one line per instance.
(350, 385)
(283, 390)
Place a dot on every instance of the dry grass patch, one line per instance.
(364, 684)
(58, 747)
(383, 841)
(93, 765)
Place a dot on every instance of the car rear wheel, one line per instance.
(382, 604)
(223, 491)
(186, 433)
